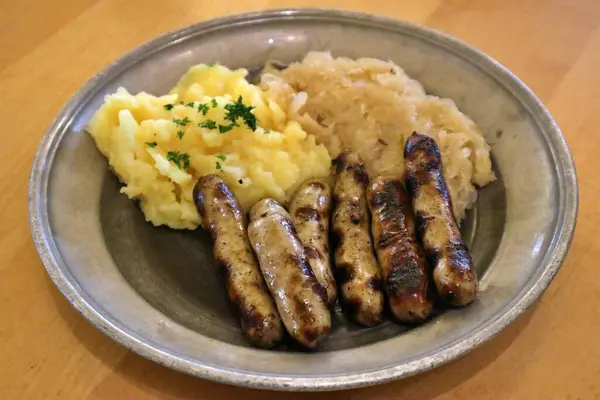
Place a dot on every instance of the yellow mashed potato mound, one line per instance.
(160, 146)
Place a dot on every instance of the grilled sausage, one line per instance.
(310, 210)
(223, 219)
(403, 266)
(300, 298)
(356, 269)
(453, 272)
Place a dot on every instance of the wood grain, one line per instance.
(48, 49)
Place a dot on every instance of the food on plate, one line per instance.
(300, 298)
(218, 146)
(223, 218)
(406, 275)
(212, 122)
(310, 209)
(372, 107)
(356, 269)
(453, 271)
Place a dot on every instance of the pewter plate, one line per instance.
(157, 291)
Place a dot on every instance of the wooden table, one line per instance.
(48, 49)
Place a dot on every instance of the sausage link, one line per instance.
(310, 210)
(356, 269)
(223, 219)
(403, 266)
(453, 271)
(300, 298)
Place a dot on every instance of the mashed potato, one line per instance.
(372, 106)
(160, 146)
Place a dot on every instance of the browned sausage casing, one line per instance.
(356, 269)
(453, 271)
(310, 210)
(300, 298)
(223, 219)
(403, 266)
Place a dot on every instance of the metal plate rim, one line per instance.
(567, 182)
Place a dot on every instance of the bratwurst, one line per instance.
(403, 266)
(453, 271)
(310, 210)
(223, 218)
(300, 298)
(356, 269)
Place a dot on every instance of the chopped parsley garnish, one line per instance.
(203, 108)
(181, 102)
(212, 64)
(208, 124)
(190, 104)
(221, 157)
(180, 134)
(181, 122)
(267, 131)
(182, 160)
(168, 107)
(151, 144)
(214, 103)
(227, 128)
(218, 165)
(240, 110)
